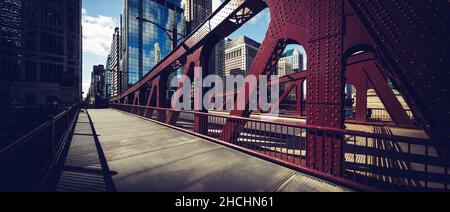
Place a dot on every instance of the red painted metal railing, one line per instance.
(379, 160)
(381, 114)
(27, 163)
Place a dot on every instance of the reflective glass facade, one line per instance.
(141, 38)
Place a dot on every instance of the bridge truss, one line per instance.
(365, 43)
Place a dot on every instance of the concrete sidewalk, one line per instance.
(85, 169)
(150, 157)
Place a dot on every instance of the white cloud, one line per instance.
(86, 86)
(263, 16)
(97, 33)
(216, 4)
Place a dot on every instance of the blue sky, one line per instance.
(100, 17)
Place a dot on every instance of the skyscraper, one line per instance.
(290, 62)
(40, 52)
(196, 11)
(108, 78)
(239, 55)
(97, 81)
(114, 65)
(157, 53)
(139, 38)
(97, 91)
(217, 59)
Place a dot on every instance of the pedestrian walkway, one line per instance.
(85, 169)
(146, 156)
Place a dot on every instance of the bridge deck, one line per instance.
(144, 156)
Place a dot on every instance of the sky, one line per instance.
(100, 17)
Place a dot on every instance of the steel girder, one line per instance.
(332, 32)
(195, 60)
(224, 21)
(413, 39)
(287, 25)
(364, 71)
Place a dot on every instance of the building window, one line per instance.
(72, 49)
(52, 14)
(52, 44)
(236, 71)
(50, 72)
(9, 69)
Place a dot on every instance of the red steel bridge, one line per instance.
(366, 43)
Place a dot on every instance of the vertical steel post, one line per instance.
(361, 85)
(325, 86)
(200, 121)
(299, 98)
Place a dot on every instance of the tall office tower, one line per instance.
(239, 55)
(290, 62)
(114, 65)
(157, 54)
(196, 11)
(11, 49)
(139, 37)
(217, 61)
(40, 52)
(97, 81)
(107, 90)
(96, 90)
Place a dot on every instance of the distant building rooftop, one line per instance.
(241, 40)
(290, 53)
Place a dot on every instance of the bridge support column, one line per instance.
(372, 70)
(284, 94)
(150, 99)
(356, 78)
(161, 101)
(361, 99)
(200, 121)
(136, 102)
(193, 65)
(325, 86)
(289, 26)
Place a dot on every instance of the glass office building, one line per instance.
(140, 39)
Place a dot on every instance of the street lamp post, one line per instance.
(171, 33)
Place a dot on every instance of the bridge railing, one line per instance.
(381, 114)
(377, 160)
(26, 164)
